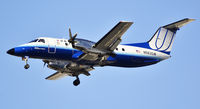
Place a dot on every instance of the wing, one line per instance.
(105, 46)
(56, 76)
(112, 39)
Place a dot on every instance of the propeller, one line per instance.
(45, 62)
(72, 38)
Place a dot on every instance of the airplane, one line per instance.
(79, 56)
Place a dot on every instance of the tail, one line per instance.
(163, 39)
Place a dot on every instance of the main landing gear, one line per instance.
(77, 81)
(26, 66)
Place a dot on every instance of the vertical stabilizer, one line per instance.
(163, 39)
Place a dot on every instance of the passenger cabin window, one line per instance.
(123, 49)
(117, 49)
(41, 40)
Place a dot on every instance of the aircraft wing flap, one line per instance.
(56, 76)
(89, 57)
(111, 40)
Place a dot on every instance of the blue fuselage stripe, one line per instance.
(120, 60)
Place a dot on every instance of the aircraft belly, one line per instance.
(133, 61)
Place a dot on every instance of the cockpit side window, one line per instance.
(33, 41)
(41, 40)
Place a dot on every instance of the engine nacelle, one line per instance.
(57, 65)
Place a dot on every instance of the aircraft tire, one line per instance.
(76, 82)
(26, 66)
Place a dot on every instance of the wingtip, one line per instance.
(190, 20)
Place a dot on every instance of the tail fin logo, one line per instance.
(162, 40)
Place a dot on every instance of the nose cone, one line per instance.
(11, 51)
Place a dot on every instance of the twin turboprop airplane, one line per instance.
(79, 56)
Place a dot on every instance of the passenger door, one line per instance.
(52, 46)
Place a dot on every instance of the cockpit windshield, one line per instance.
(41, 40)
(38, 40)
(35, 40)
(84, 43)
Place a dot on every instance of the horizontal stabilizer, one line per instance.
(176, 25)
(56, 76)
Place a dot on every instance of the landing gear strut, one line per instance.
(26, 66)
(77, 81)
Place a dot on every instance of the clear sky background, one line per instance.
(171, 84)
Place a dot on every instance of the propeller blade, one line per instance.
(72, 38)
(75, 36)
(70, 33)
(44, 64)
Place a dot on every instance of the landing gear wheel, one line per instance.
(25, 58)
(26, 66)
(76, 82)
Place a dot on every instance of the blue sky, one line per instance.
(171, 84)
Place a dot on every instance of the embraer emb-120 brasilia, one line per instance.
(79, 56)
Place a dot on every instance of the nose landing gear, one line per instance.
(26, 66)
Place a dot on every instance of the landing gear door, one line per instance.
(52, 46)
